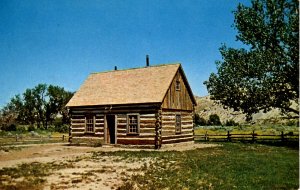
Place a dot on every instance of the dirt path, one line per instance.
(85, 173)
(57, 152)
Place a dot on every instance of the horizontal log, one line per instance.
(135, 141)
(168, 127)
(186, 122)
(98, 125)
(113, 111)
(97, 120)
(122, 119)
(75, 130)
(179, 140)
(147, 125)
(76, 125)
(186, 130)
(147, 119)
(78, 115)
(147, 130)
(168, 122)
(99, 130)
(121, 130)
(99, 133)
(172, 132)
(77, 134)
(148, 114)
(142, 130)
(140, 136)
(93, 138)
(187, 126)
(82, 119)
(121, 126)
(190, 135)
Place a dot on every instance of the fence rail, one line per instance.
(19, 139)
(247, 136)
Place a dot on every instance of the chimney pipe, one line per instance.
(116, 68)
(147, 60)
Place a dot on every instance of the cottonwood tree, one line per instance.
(39, 105)
(264, 74)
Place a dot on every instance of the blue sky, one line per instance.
(61, 41)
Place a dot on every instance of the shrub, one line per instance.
(62, 128)
(291, 123)
(231, 122)
(10, 127)
(31, 128)
(200, 120)
(214, 119)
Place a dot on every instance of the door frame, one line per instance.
(106, 129)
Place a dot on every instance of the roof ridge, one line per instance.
(159, 65)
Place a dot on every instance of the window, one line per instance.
(133, 124)
(178, 124)
(177, 85)
(89, 124)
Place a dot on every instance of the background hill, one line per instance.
(205, 107)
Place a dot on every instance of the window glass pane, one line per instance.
(89, 123)
(133, 124)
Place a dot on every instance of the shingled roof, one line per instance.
(131, 86)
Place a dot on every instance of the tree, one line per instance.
(39, 105)
(200, 120)
(58, 98)
(265, 75)
(214, 119)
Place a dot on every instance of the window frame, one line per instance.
(176, 124)
(137, 125)
(89, 117)
(178, 85)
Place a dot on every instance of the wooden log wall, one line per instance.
(78, 126)
(168, 127)
(178, 99)
(147, 130)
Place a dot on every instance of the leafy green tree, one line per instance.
(39, 94)
(39, 105)
(265, 74)
(200, 120)
(28, 110)
(58, 98)
(214, 119)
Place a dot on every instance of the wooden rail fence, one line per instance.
(247, 137)
(19, 139)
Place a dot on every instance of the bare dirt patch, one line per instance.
(82, 171)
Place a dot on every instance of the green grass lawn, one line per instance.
(231, 166)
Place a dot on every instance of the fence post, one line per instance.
(205, 137)
(63, 138)
(16, 138)
(228, 136)
(282, 136)
(253, 137)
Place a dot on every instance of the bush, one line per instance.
(231, 122)
(214, 119)
(62, 128)
(21, 128)
(31, 128)
(200, 120)
(291, 123)
(11, 127)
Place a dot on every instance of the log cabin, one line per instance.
(144, 107)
